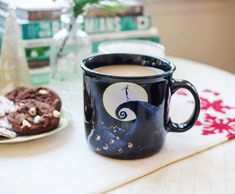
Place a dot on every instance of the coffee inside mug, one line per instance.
(128, 65)
(129, 70)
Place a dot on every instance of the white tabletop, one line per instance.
(53, 164)
(209, 172)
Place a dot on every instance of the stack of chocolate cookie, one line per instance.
(35, 110)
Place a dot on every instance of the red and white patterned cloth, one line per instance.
(216, 117)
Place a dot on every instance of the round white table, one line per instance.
(63, 163)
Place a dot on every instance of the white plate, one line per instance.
(64, 121)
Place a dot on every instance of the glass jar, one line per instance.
(68, 47)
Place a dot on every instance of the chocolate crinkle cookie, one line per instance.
(33, 117)
(41, 94)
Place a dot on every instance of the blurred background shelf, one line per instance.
(201, 30)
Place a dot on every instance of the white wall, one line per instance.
(202, 30)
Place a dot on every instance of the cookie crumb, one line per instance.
(15, 109)
(37, 119)
(25, 123)
(43, 92)
(32, 111)
(21, 105)
(7, 133)
(56, 114)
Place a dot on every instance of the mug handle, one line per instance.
(181, 127)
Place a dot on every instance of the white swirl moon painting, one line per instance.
(118, 93)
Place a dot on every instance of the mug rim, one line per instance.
(91, 71)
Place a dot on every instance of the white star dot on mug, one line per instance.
(106, 146)
(97, 138)
(130, 145)
(111, 141)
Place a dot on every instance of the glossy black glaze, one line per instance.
(111, 135)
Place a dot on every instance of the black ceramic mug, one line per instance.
(128, 117)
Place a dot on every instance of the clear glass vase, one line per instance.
(68, 47)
